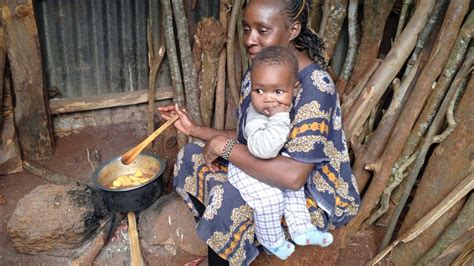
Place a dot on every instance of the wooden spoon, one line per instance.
(131, 155)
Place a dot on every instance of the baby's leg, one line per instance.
(302, 231)
(268, 211)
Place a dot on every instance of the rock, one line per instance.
(170, 224)
(55, 219)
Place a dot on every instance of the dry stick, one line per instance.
(3, 58)
(465, 69)
(190, 82)
(465, 254)
(455, 60)
(326, 10)
(436, 14)
(426, 117)
(135, 252)
(338, 12)
(314, 20)
(349, 99)
(451, 199)
(93, 248)
(375, 14)
(244, 57)
(374, 147)
(384, 164)
(389, 68)
(352, 49)
(55, 178)
(236, 6)
(219, 111)
(155, 58)
(155, 66)
(431, 26)
(173, 60)
(461, 225)
(211, 36)
(455, 248)
(403, 16)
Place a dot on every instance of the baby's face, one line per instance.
(272, 88)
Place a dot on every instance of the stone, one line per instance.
(56, 219)
(170, 224)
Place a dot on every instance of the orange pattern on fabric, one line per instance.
(332, 177)
(237, 236)
(200, 194)
(315, 126)
(311, 203)
(200, 175)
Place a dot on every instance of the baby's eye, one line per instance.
(258, 91)
(279, 91)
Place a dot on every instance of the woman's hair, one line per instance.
(307, 40)
(277, 55)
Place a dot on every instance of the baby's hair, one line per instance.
(277, 55)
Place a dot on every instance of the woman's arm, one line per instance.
(282, 172)
(187, 126)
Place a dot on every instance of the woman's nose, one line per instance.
(250, 39)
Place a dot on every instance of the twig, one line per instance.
(403, 16)
(219, 108)
(326, 10)
(349, 99)
(58, 179)
(436, 14)
(454, 231)
(353, 28)
(428, 141)
(453, 19)
(230, 51)
(461, 190)
(190, 82)
(338, 12)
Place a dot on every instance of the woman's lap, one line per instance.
(227, 223)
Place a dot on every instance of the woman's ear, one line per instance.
(295, 29)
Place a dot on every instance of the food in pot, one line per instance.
(130, 180)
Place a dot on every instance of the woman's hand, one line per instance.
(184, 124)
(212, 150)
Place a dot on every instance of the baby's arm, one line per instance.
(266, 135)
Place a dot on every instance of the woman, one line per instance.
(316, 153)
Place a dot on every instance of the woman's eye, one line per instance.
(262, 30)
(246, 29)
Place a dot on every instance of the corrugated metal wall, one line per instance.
(92, 47)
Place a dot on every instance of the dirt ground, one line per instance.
(70, 159)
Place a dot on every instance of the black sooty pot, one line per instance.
(135, 198)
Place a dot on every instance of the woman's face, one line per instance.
(265, 24)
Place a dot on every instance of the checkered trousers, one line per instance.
(269, 204)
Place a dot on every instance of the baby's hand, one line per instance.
(278, 109)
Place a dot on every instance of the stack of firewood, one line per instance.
(407, 112)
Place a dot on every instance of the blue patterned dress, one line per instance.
(316, 137)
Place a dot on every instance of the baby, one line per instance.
(274, 78)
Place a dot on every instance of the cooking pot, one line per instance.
(130, 199)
